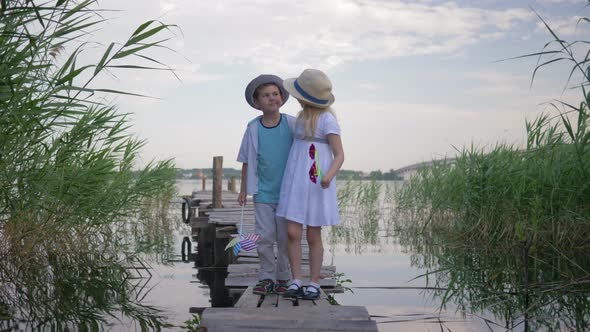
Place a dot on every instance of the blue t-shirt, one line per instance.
(274, 144)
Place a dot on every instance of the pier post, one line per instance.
(231, 184)
(217, 181)
(204, 182)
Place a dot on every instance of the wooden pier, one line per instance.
(214, 216)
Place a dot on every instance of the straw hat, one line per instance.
(264, 79)
(312, 87)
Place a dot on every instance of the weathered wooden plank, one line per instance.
(230, 219)
(254, 253)
(197, 310)
(225, 232)
(304, 274)
(248, 299)
(287, 302)
(225, 222)
(270, 301)
(331, 312)
(248, 260)
(256, 260)
(336, 290)
(316, 318)
(322, 301)
(244, 282)
(199, 224)
(215, 325)
(232, 211)
(254, 268)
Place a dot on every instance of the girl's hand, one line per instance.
(325, 183)
(242, 198)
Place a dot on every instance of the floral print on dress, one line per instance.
(314, 170)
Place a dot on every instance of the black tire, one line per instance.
(186, 206)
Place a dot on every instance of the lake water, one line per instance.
(384, 271)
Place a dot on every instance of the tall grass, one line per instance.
(361, 204)
(68, 173)
(539, 195)
(541, 293)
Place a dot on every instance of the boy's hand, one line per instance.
(242, 198)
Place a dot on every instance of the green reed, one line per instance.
(542, 291)
(360, 204)
(69, 180)
(503, 229)
(539, 195)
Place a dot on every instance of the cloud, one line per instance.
(565, 26)
(232, 40)
(282, 35)
(560, 1)
(495, 83)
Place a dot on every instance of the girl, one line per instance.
(308, 191)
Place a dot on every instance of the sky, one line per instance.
(413, 80)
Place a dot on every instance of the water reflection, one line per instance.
(539, 291)
(210, 272)
(362, 214)
(82, 277)
(186, 249)
(57, 291)
(519, 288)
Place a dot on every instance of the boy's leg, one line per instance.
(265, 228)
(283, 266)
(316, 252)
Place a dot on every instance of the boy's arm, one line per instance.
(243, 195)
(243, 158)
(336, 145)
(243, 153)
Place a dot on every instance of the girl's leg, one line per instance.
(316, 252)
(294, 231)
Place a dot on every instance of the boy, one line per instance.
(263, 154)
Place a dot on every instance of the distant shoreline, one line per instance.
(199, 173)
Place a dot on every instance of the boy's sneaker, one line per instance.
(281, 286)
(264, 287)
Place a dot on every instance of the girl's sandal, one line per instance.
(311, 295)
(294, 292)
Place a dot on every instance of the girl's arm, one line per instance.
(336, 145)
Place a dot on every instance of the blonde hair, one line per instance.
(310, 115)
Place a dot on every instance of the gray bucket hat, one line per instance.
(264, 79)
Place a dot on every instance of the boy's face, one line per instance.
(269, 99)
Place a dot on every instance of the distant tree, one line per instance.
(349, 175)
(391, 175)
(376, 175)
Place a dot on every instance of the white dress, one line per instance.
(302, 198)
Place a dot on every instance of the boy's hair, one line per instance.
(262, 86)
